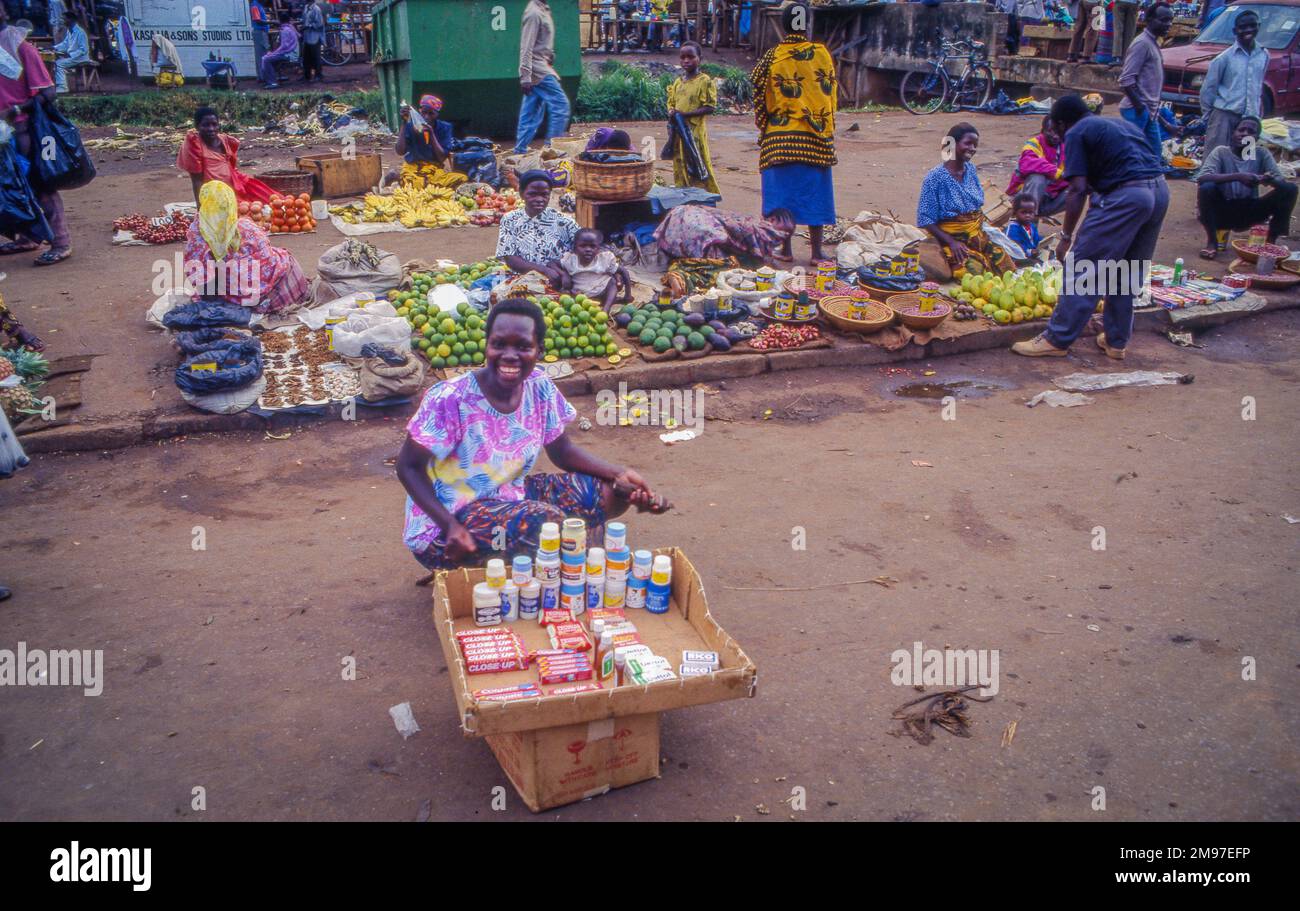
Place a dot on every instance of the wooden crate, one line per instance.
(608, 217)
(336, 175)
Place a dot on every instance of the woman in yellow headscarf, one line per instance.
(794, 108)
(230, 258)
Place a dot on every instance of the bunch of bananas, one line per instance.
(425, 174)
(414, 207)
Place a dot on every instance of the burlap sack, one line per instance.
(335, 276)
(382, 381)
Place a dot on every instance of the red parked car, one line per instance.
(1279, 34)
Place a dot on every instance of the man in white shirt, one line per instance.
(1234, 84)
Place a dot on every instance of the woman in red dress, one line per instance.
(209, 154)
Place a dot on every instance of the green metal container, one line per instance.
(467, 53)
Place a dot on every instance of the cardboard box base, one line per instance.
(551, 767)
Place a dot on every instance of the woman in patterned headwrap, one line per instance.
(427, 144)
(231, 258)
(794, 107)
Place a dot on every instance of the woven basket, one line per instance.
(1247, 256)
(942, 310)
(802, 283)
(1274, 282)
(613, 182)
(289, 183)
(836, 308)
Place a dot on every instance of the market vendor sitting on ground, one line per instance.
(427, 145)
(472, 443)
(950, 205)
(704, 232)
(233, 260)
(1038, 173)
(1227, 194)
(594, 272)
(208, 154)
(536, 237)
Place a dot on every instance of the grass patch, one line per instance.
(871, 108)
(620, 91)
(175, 107)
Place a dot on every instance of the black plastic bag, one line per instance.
(205, 313)
(480, 165)
(679, 132)
(59, 160)
(20, 214)
(237, 364)
(201, 339)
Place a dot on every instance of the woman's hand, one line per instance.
(460, 543)
(957, 251)
(630, 485)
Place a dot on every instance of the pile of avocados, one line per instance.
(666, 329)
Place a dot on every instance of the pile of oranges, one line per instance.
(284, 214)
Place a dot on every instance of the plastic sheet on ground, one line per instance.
(362, 229)
(1058, 399)
(1096, 382)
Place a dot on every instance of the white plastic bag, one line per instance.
(404, 720)
(164, 304)
(362, 328)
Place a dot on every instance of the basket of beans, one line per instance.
(1252, 252)
(910, 314)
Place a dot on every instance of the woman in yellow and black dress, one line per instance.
(794, 108)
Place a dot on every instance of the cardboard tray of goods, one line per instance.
(560, 749)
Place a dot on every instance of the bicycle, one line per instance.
(337, 48)
(926, 90)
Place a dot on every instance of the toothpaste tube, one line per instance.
(575, 688)
(565, 661)
(495, 666)
(471, 635)
(710, 659)
(485, 654)
(554, 615)
(695, 670)
(501, 690)
(565, 676)
(551, 653)
(512, 697)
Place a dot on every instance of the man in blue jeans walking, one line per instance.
(543, 95)
(1144, 75)
(1111, 255)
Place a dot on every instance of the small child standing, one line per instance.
(695, 96)
(592, 271)
(1024, 228)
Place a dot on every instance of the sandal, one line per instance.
(17, 246)
(50, 257)
(1210, 252)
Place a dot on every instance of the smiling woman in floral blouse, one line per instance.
(534, 238)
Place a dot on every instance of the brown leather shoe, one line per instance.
(1039, 346)
(1115, 354)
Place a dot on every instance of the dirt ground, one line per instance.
(223, 665)
(1121, 668)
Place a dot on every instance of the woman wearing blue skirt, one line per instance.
(794, 108)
